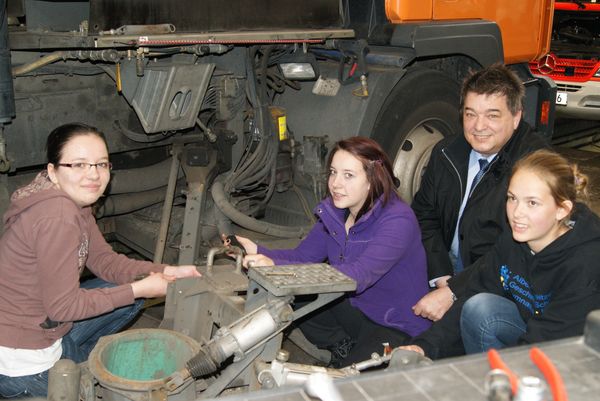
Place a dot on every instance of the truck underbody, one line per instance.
(209, 134)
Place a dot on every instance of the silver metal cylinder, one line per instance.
(497, 386)
(63, 381)
(531, 388)
(249, 332)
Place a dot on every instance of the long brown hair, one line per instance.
(377, 167)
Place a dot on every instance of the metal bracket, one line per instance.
(196, 178)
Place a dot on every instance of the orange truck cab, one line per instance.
(524, 25)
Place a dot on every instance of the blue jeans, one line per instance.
(490, 321)
(76, 344)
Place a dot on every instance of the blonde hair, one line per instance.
(564, 179)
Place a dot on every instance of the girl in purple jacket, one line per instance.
(367, 232)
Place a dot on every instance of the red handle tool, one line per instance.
(496, 362)
(544, 364)
(557, 386)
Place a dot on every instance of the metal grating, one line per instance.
(300, 279)
(567, 69)
(568, 88)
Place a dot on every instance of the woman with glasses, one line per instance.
(46, 314)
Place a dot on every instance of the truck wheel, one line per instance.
(421, 110)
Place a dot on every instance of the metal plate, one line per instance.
(562, 98)
(215, 15)
(457, 379)
(301, 279)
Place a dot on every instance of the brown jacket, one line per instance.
(47, 242)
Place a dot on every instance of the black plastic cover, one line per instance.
(216, 15)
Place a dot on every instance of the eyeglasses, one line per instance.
(82, 167)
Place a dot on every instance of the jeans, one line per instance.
(490, 321)
(76, 344)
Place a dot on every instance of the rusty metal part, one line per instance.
(232, 241)
(155, 29)
(63, 381)
(284, 373)
(120, 381)
(165, 219)
(224, 250)
(108, 55)
(288, 36)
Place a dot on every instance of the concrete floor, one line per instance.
(150, 318)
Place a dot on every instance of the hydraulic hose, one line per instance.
(140, 137)
(265, 169)
(107, 55)
(258, 169)
(141, 179)
(218, 195)
(258, 157)
(247, 168)
(264, 66)
(127, 203)
(49, 59)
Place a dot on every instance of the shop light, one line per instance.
(299, 66)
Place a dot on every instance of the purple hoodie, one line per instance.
(382, 252)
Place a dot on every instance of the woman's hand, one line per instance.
(257, 260)
(182, 271)
(250, 247)
(414, 348)
(155, 285)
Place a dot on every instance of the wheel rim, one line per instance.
(412, 158)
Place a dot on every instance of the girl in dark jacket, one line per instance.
(540, 281)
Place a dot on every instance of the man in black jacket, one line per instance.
(461, 203)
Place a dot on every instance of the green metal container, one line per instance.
(134, 364)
